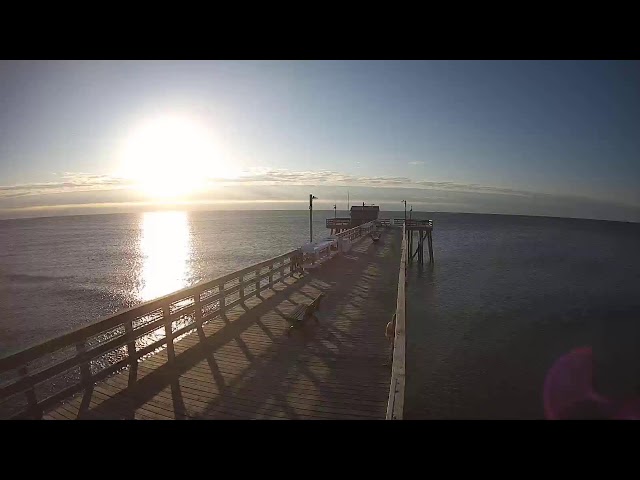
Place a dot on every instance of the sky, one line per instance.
(557, 138)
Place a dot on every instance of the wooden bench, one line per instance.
(304, 311)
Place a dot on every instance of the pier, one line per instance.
(222, 348)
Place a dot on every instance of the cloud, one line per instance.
(71, 182)
(282, 188)
(327, 177)
(76, 182)
(418, 162)
(89, 182)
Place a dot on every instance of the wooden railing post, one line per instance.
(271, 274)
(222, 300)
(85, 371)
(32, 400)
(131, 352)
(171, 354)
(131, 344)
(198, 308)
(241, 280)
(257, 292)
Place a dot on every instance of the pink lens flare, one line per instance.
(569, 393)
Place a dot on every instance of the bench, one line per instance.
(303, 311)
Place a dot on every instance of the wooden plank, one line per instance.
(207, 389)
(344, 390)
(264, 399)
(200, 403)
(54, 414)
(69, 410)
(357, 376)
(128, 406)
(118, 408)
(336, 387)
(234, 356)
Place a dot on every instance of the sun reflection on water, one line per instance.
(165, 247)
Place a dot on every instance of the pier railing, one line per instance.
(338, 222)
(357, 232)
(37, 377)
(330, 251)
(395, 405)
(398, 222)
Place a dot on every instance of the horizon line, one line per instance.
(316, 210)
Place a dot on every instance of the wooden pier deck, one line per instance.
(242, 364)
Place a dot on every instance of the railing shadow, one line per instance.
(276, 377)
(163, 376)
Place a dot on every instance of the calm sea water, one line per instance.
(506, 297)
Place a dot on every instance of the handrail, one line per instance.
(418, 223)
(356, 232)
(337, 222)
(395, 405)
(351, 234)
(120, 340)
(398, 222)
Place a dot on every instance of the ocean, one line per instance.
(506, 297)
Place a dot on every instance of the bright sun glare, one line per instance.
(171, 156)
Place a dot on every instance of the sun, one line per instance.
(171, 156)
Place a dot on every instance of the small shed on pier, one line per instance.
(363, 213)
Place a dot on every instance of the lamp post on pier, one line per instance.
(410, 210)
(311, 199)
(405, 210)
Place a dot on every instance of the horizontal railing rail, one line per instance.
(357, 232)
(329, 251)
(398, 222)
(338, 222)
(39, 376)
(395, 405)
(418, 223)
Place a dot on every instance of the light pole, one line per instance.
(335, 211)
(311, 199)
(405, 210)
(410, 210)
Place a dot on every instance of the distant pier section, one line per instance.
(359, 215)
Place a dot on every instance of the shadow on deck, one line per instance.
(244, 365)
